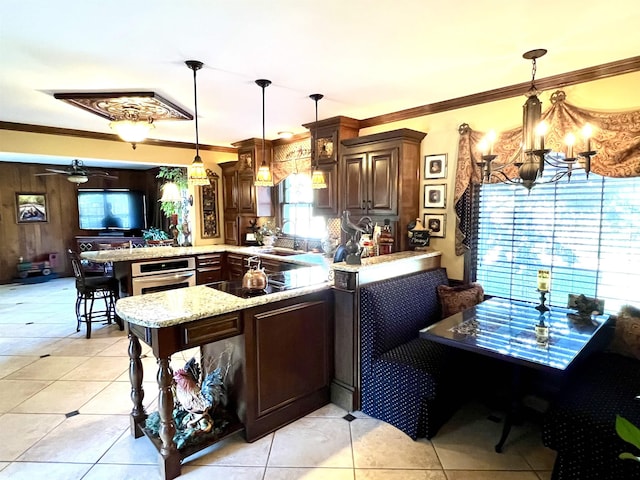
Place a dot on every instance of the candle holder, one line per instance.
(543, 298)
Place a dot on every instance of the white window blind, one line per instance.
(297, 208)
(587, 232)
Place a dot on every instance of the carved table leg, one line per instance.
(169, 456)
(138, 414)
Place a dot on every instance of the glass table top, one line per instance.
(507, 329)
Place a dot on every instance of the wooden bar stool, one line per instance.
(92, 288)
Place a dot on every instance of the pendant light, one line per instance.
(197, 172)
(263, 177)
(317, 178)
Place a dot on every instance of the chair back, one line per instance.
(78, 271)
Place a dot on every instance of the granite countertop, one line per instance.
(384, 260)
(182, 305)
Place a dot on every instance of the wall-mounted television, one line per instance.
(112, 209)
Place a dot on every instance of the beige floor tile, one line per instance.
(279, 473)
(48, 368)
(50, 471)
(33, 347)
(14, 392)
(489, 475)
(226, 473)
(312, 442)
(123, 472)
(535, 453)
(82, 347)
(22, 329)
(544, 474)
(119, 349)
(149, 369)
(386, 474)
(60, 397)
(116, 399)
(98, 368)
(467, 442)
(131, 451)
(24, 432)
(379, 445)
(235, 451)
(330, 410)
(79, 439)
(10, 364)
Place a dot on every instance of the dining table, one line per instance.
(525, 335)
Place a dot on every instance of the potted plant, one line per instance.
(267, 234)
(155, 236)
(171, 209)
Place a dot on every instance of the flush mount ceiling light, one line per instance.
(263, 177)
(534, 154)
(132, 114)
(317, 177)
(197, 172)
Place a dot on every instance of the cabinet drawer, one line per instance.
(211, 330)
(208, 275)
(209, 260)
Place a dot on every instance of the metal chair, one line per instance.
(92, 288)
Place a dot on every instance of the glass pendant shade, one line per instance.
(77, 178)
(317, 180)
(170, 193)
(197, 172)
(132, 131)
(263, 177)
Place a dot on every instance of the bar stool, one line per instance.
(92, 288)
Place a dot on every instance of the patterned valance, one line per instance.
(616, 138)
(291, 158)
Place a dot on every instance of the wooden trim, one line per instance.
(23, 127)
(589, 74)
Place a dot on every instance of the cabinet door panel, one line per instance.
(246, 193)
(230, 191)
(383, 180)
(325, 200)
(354, 178)
(231, 231)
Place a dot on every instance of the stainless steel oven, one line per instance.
(160, 275)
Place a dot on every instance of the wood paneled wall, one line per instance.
(34, 241)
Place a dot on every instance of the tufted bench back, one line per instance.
(393, 311)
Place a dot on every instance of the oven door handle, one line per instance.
(154, 279)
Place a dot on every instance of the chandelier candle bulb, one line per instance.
(541, 131)
(544, 280)
(569, 140)
(587, 131)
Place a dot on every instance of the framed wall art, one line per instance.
(435, 166)
(31, 207)
(435, 224)
(435, 196)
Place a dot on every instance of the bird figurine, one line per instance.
(199, 399)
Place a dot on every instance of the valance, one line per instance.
(291, 158)
(616, 138)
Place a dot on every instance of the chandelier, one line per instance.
(533, 156)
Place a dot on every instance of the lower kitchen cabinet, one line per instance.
(208, 268)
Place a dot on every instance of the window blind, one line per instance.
(586, 231)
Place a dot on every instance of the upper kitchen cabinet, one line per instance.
(253, 201)
(380, 178)
(327, 135)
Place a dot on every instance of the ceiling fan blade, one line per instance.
(55, 170)
(43, 174)
(100, 174)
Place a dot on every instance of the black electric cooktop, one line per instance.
(276, 282)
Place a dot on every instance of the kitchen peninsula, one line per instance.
(283, 343)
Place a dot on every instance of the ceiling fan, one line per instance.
(77, 173)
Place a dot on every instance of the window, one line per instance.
(297, 208)
(586, 231)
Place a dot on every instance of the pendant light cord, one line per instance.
(195, 100)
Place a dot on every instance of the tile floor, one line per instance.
(64, 403)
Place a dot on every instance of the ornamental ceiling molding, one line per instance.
(116, 105)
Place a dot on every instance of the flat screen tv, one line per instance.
(112, 209)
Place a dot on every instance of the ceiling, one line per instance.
(367, 58)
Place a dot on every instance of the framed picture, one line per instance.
(435, 224)
(435, 196)
(31, 207)
(435, 166)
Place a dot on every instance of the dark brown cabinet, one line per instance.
(243, 201)
(326, 135)
(235, 266)
(208, 268)
(380, 179)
